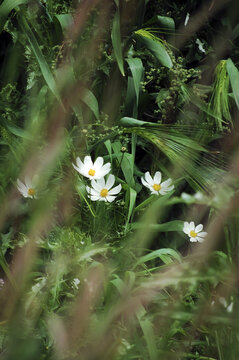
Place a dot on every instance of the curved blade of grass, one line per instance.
(6, 7)
(147, 328)
(166, 255)
(132, 200)
(90, 100)
(137, 70)
(46, 72)
(175, 225)
(116, 41)
(234, 79)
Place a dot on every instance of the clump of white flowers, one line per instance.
(100, 189)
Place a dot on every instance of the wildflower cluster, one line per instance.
(102, 189)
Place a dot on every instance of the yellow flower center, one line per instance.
(31, 192)
(91, 172)
(156, 187)
(104, 193)
(193, 234)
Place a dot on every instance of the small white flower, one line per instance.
(92, 170)
(155, 185)
(28, 190)
(102, 191)
(195, 233)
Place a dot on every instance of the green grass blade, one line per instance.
(90, 100)
(6, 7)
(46, 72)
(116, 41)
(234, 79)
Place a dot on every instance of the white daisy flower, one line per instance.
(102, 191)
(28, 190)
(155, 185)
(92, 170)
(194, 232)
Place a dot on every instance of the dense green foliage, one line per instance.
(149, 86)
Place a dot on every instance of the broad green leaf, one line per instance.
(119, 284)
(137, 70)
(6, 7)
(90, 100)
(234, 79)
(19, 132)
(109, 148)
(164, 22)
(46, 72)
(131, 108)
(65, 20)
(155, 46)
(116, 41)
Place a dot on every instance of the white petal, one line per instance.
(145, 183)
(103, 199)
(192, 239)
(157, 177)
(110, 181)
(199, 239)
(79, 163)
(88, 162)
(20, 185)
(103, 171)
(115, 190)
(186, 227)
(99, 162)
(83, 171)
(94, 198)
(28, 182)
(110, 198)
(101, 183)
(202, 234)
(164, 191)
(198, 228)
(23, 189)
(88, 189)
(166, 183)
(95, 185)
(148, 178)
(191, 226)
(92, 191)
(154, 192)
